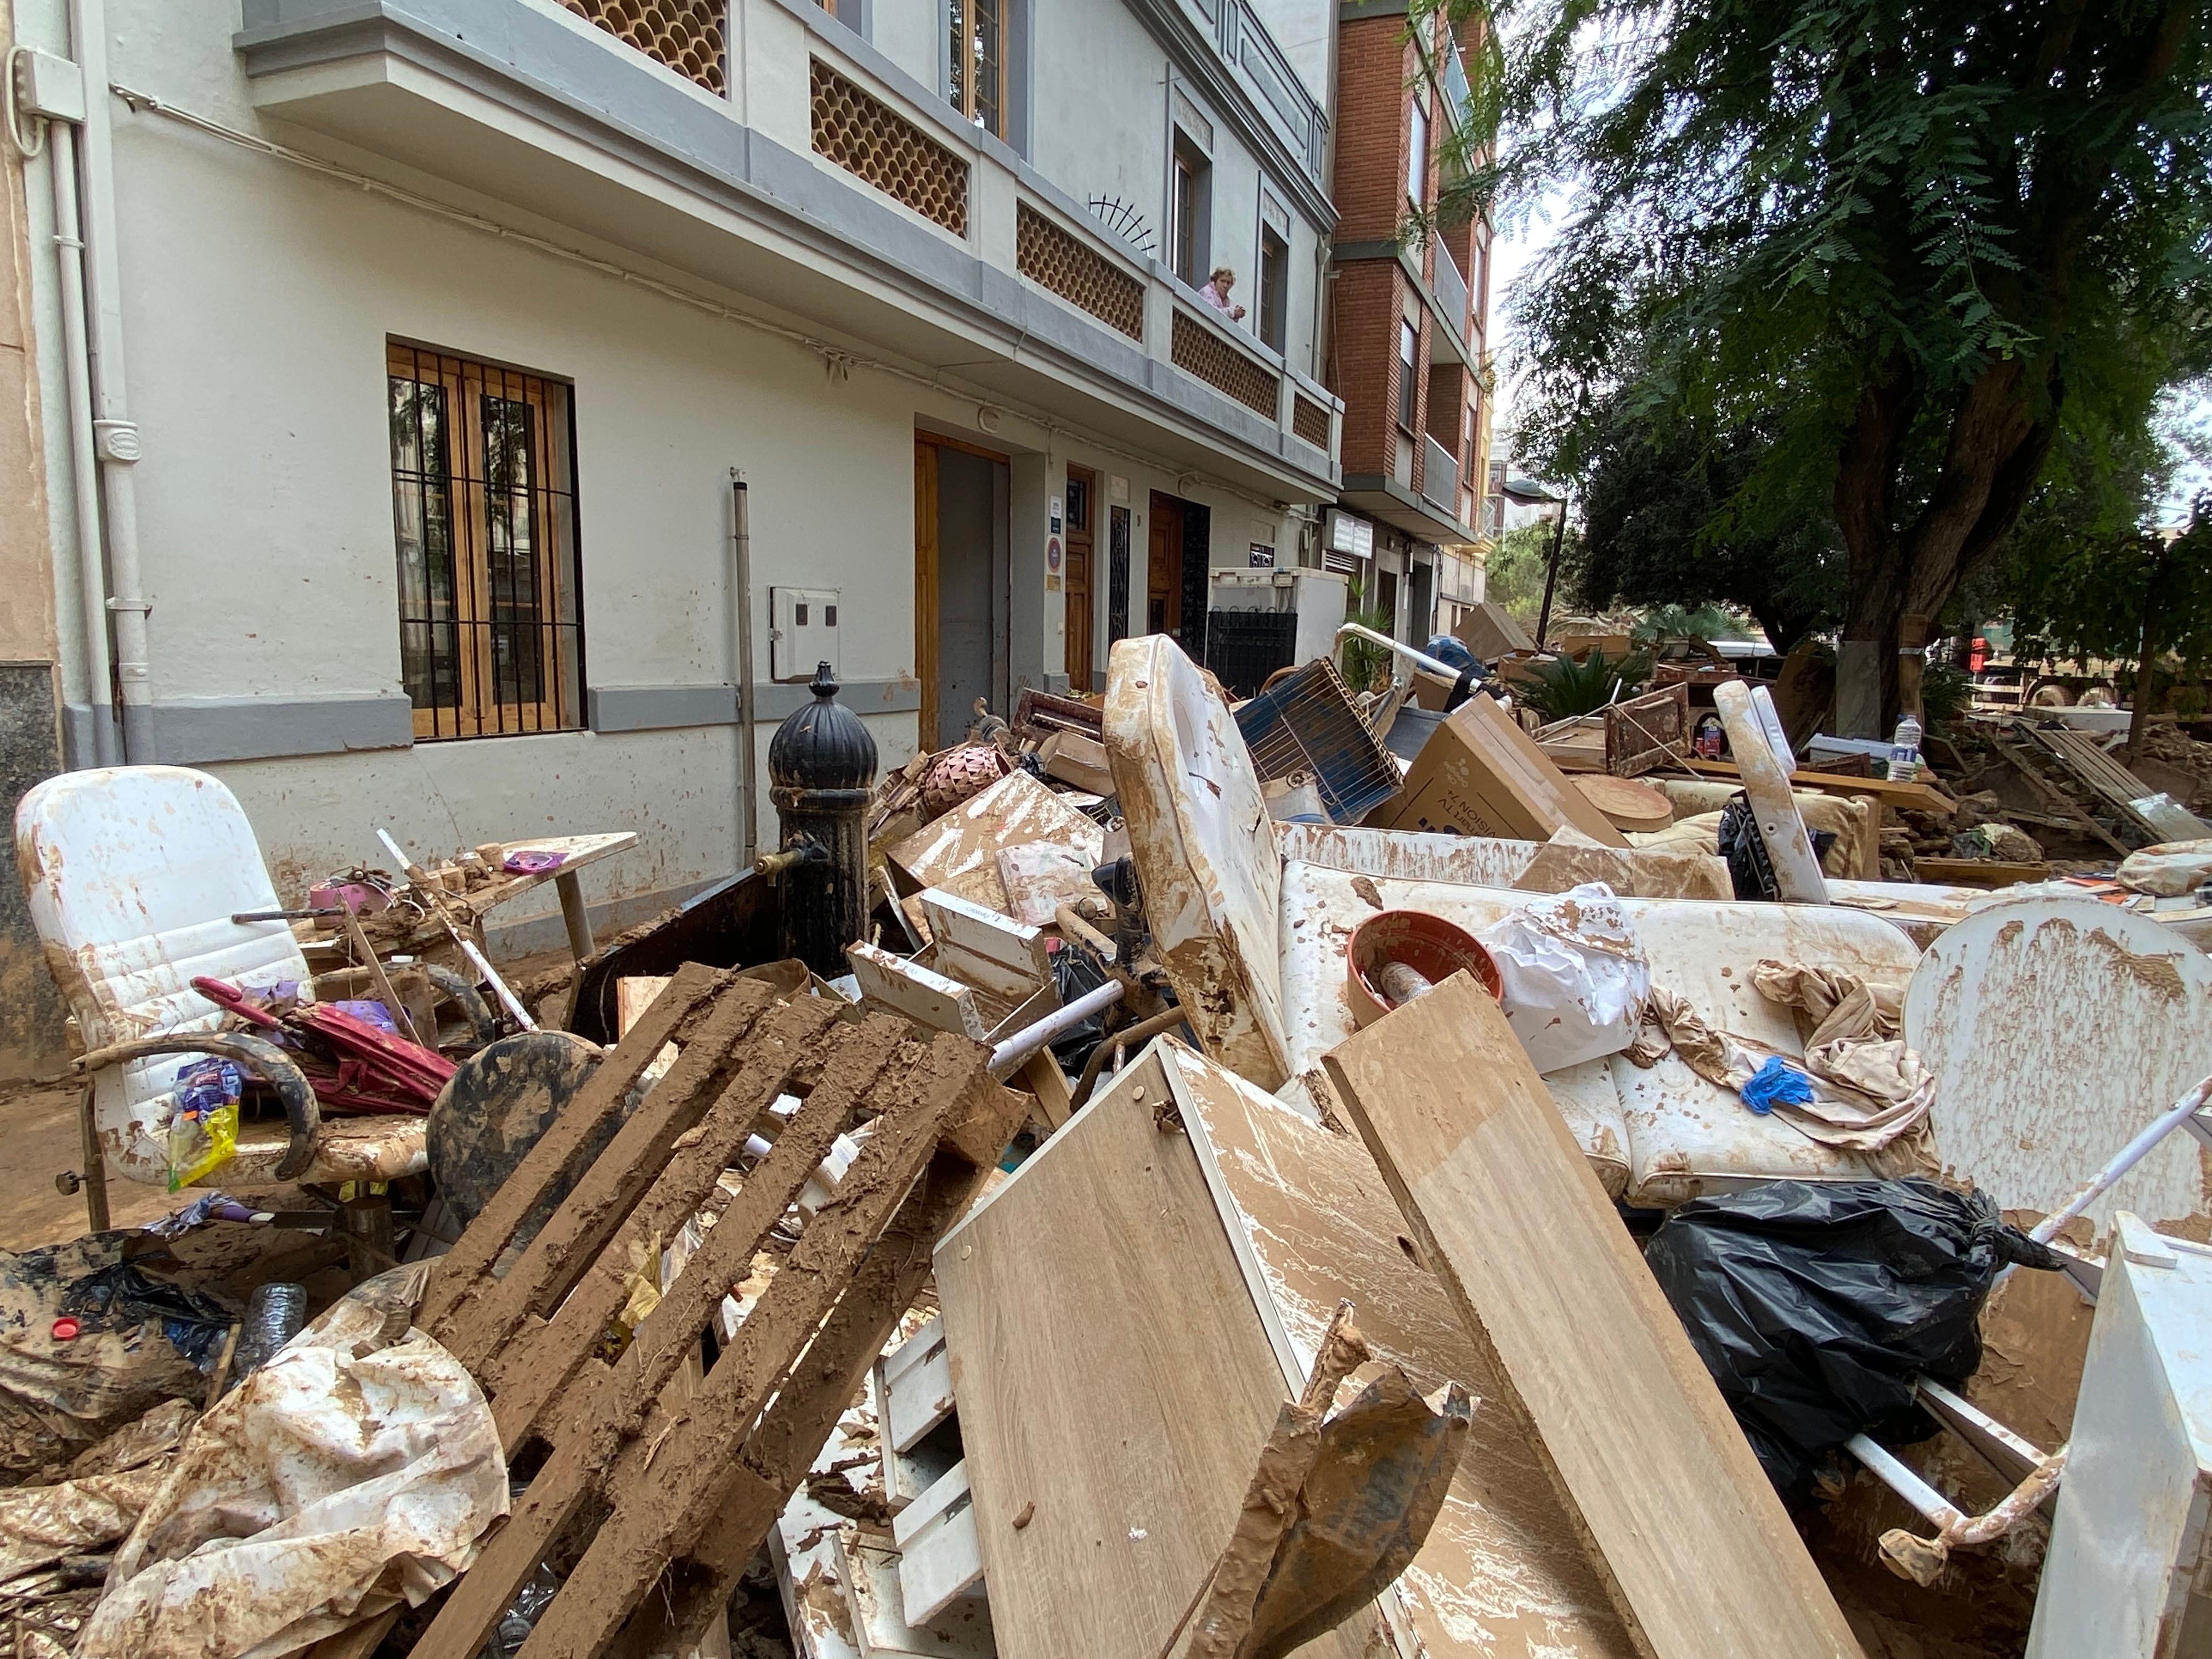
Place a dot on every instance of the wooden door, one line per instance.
(1163, 568)
(1080, 543)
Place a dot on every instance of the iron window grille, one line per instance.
(483, 502)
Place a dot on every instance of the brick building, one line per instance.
(1408, 319)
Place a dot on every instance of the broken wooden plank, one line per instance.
(1693, 1545)
(602, 1404)
(917, 1381)
(468, 1265)
(565, 1247)
(1077, 759)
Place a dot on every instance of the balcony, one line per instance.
(850, 196)
(1439, 477)
(1451, 293)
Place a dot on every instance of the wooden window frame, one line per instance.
(1274, 288)
(1189, 178)
(465, 645)
(969, 23)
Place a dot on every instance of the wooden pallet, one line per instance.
(686, 1487)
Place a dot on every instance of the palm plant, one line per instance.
(1563, 687)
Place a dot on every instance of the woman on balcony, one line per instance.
(1216, 293)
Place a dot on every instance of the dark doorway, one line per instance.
(1117, 575)
(1081, 485)
(960, 570)
(1421, 600)
(1175, 575)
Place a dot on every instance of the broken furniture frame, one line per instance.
(690, 1486)
(2036, 1474)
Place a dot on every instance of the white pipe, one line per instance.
(115, 436)
(2124, 1160)
(1419, 658)
(1932, 1504)
(1030, 1038)
(84, 470)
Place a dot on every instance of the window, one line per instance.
(978, 56)
(1417, 155)
(484, 514)
(1187, 211)
(1409, 358)
(1274, 288)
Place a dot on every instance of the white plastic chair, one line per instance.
(132, 874)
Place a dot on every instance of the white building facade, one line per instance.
(427, 340)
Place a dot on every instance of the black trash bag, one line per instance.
(1751, 871)
(1816, 1305)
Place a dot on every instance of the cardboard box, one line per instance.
(1489, 630)
(1480, 775)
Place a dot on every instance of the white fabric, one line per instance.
(341, 1476)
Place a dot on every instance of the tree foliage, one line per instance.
(1666, 521)
(1911, 242)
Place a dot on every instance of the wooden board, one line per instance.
(1626, 804)
(1502, 1575)
(1915, 797)
(1075, 759)
(1978, 873)
(1041, 877)
(1679, 1522)
(959, 853)
(1111, 1371)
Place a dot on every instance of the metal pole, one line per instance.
(742, 578)
(1551, 574)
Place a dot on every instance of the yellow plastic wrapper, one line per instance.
(204, 1129)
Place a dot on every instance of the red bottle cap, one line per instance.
(66, 1329)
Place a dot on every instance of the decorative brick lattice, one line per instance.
(875, 144)
(684, 34)
(1052, 258)
(1196, 350)
(1310, 420)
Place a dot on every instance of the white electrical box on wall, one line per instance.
(802, 631)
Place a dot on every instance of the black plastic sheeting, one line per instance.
(1814, 1305)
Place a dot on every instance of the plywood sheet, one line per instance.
(959, 851)
(1502, 1575)
(1112, 1371)
(1679, 1520)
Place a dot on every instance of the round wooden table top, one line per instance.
(1626, 804)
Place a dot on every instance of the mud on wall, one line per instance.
(31, 1011)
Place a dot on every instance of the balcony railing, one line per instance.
(1439, 477)
(1451, 290)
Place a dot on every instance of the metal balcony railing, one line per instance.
(1439, 477)
(1451, 291)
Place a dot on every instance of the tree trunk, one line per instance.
(2139, 710)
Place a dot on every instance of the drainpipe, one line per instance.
(84, 473)
(115, 437)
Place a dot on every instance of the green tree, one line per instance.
(1917, 239)
(1666, 521)
(1513, 575)
(2122, 593)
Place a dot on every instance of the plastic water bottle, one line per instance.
(1904, 751)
